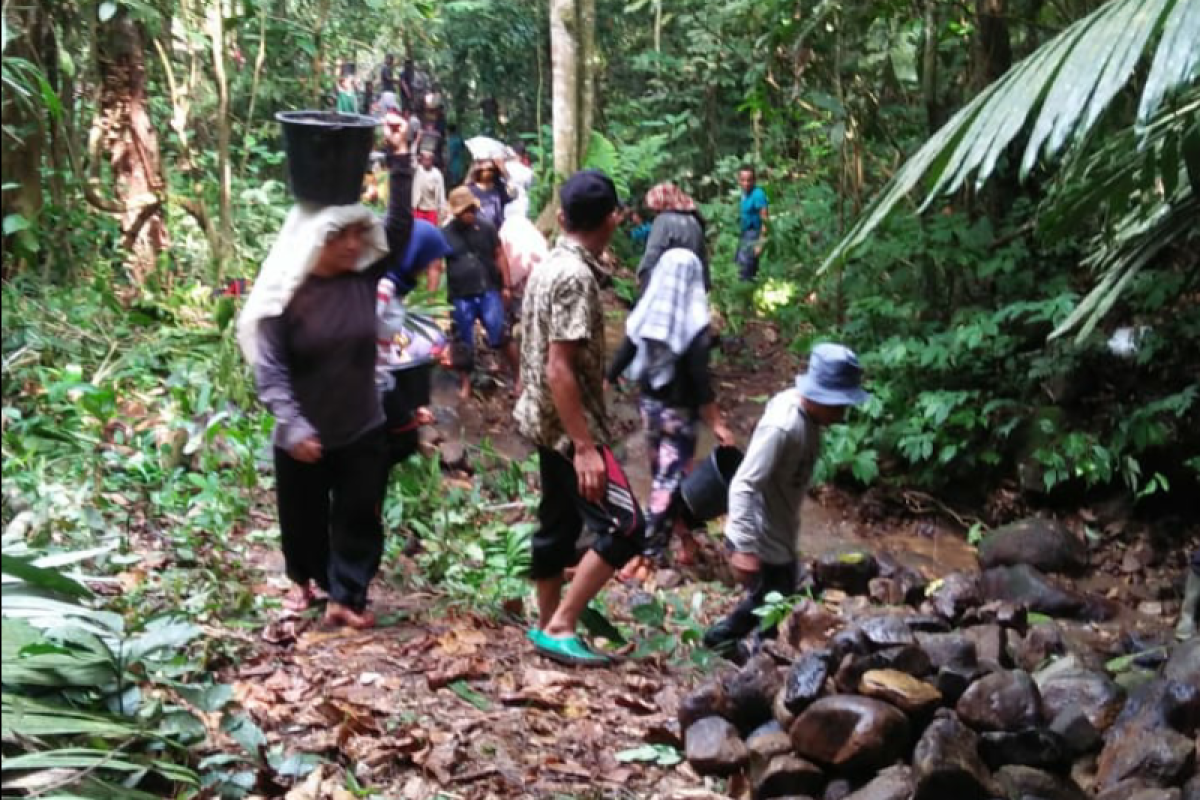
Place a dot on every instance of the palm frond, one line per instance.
(1069, 82)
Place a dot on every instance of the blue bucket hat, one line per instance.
(834, 377)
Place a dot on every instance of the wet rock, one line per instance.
(1018, 783)
(946, 762)
(952, 681)
(809, 626)
(848, 642)
(787, 775)
(1138, 790)
(1095, 693)
(990, 645)
(806, 680)
(885, 591)
(1040, 643)
(946, 649)
(925, 623)
(1077, 731)
(907, 693)
(957, 592)
(1010, 616)
(851, 572)
(1032, 747)
(1160, 756)
(909, 659)
(763, 747)
(709, 700)
(713, 747)
(1044, 544)
(893, 783)
(850, 733)
(886, 632)
(1038, 592)
(837, 789)
(784, 717)
(1184, 664)
(751, 692)
(1001, 701)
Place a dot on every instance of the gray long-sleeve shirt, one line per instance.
(673, 229)
(769, 487)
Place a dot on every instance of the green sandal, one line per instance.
(569, 650)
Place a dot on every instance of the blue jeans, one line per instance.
(746, 258)
(487, 308)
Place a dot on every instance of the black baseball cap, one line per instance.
(587, 198)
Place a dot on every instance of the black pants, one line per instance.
(725, 635)
(617, 521)
(329, 517)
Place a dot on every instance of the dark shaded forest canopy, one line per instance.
(994, 202)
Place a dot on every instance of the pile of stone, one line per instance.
(957, 698)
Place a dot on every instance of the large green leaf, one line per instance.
(93, 759)
(28, 717)
(47, 578)
(1176, 60)
(1071, 80)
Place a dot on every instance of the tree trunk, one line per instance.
(131, 144)
(572, 45)
(216, 27)
(992, 58)
(24, 132)
(935, 113)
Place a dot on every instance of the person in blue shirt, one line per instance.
(752, 223)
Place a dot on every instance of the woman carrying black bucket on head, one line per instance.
(309, 330)
(766, 493)
(666, 350)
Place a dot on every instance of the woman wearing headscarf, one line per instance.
(677, 224)
(309, 331)
(666, 350)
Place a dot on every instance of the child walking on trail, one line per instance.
(769, 487)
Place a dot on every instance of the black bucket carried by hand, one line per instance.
(327, 154)
(706, 488)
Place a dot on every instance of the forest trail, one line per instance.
(440, 701)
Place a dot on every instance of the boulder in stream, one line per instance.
(851, 733)
(806, 680)
(1044, 544)
(1095, 693)
(1002, 701)
(955, 594)
(849, 571)
(1038, 592)
(893, 783)
(713, 747)
(909, 694)
(946, 762)
(751, 692)
(1018, 783)
(786, 775)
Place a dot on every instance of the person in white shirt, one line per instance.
(519, 177)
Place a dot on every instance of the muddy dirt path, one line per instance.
(442, 703)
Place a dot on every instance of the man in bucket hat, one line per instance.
(770, 484)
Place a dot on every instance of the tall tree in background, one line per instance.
(128, 137)
(572, 55)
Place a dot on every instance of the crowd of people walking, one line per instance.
(326, 331)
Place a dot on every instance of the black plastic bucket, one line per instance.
(706, 489)
(327, 154)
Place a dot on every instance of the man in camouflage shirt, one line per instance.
(561, 410)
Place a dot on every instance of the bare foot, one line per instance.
(299, 598)
(464, 390)
(686, 550)
(338, 614)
